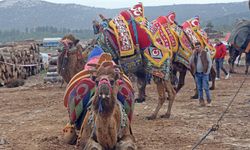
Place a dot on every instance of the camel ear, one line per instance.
(93, 74)
(118, 75)
(93, 65)
(102, 17)
(93, 77)
(76, 41)
(118, 67)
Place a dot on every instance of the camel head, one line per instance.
(106, 88)
(98, 27)
(72, 56)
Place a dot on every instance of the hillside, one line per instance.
(19, 14)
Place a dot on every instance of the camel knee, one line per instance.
(92, 145)
(126, 145)
(171, 96)
(161, 100)
(171, 93)
(69, 135)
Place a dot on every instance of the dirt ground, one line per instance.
(32, 118)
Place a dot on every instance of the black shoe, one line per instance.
(194, 97)
(139, 100)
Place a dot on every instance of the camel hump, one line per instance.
(105, 57)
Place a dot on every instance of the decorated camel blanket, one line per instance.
(193, 30)
(134, 36)
(182, 38)
(77, 97)
(177, 41)
(154, 41)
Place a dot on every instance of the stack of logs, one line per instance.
(18, 61)
(52, 75)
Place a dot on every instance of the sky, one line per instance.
(130, 3)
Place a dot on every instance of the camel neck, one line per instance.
(106, 130)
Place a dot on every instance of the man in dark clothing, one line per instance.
(200, 64)
(221, 52)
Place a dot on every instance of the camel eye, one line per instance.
(93, 78)
(96, 82)
(112, 82)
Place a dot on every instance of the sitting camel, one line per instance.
(106, 125)
(107, 121)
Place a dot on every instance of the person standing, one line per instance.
(200, 65)
(221, 52)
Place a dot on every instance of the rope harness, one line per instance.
(123, 122)
(216, 126)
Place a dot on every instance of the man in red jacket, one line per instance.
(221, 52)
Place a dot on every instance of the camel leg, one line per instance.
(213, 76)
(174, 79)
(246, 71)
(231, 68)
(232, 59)
(171, 96)
(141, 85)
(196, 89)
(62, 82)
(162, 98)
(69, 135)
(93, 145)
(247, 50)
(181, 80)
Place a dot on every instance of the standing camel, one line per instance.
(142, 55)
(70, 57)
(185, 36)
(181, 41)
(240, 42)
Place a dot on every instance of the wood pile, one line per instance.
(52, 76)
(18, 61)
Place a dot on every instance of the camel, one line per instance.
(240, 42)
(147, 56)
(106, 122)
(139, 61)
(70, 57)
(106, 125)
(184, 37)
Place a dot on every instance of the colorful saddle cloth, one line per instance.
(128, 32)
(131, 32)
(166, 22)
(81, 88)
(123, 36)
(163, 41)
(192, 28)
(182, 51)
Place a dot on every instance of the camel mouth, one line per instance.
(104, 96)
(104, 103)
(104, 90)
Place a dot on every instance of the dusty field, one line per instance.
(32, 117)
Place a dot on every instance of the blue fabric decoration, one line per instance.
(97, 51)
(100, 108)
